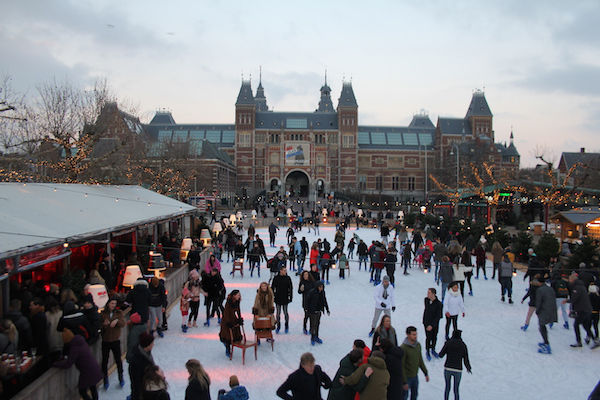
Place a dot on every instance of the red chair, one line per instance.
(242, 344)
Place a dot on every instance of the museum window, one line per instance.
(379, 182)
(395, 183)
(411, 183)
(347, 141)
(244, 140)
(319, 139)
(274, 138)
(362, 182)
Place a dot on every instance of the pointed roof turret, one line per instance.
(347, 98)
(511, 150)
(479, 106)
(245, 97)
(421, 120)
(260, 100)
(325, 104)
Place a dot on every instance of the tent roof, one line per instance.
(579, 216)
(40, 215)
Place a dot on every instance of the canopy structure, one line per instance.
(36, 216)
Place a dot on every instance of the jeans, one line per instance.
(254, 264)
(413, 386)
(437, 269)
(563, 308)
(377, 274)
(444, 289)
(431, 337)
(115, 347)
(285, 314)
(350, 253)
(406, 262)
(448, 376)
(362, 259)
(156, 315)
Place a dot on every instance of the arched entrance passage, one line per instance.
(297, 184)
(274, 187)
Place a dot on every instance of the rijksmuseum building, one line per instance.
(314, 153)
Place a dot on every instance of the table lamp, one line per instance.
(132, 273)
(99, 295)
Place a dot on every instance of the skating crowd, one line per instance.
(388, 368)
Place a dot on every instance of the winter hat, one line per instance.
(146, 339)
(135, 318)
(234, 292)
(233, 381)
(386, 278)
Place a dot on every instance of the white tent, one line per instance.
(39, 215)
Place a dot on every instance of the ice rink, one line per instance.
(505, 361)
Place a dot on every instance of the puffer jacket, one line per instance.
(376, 388)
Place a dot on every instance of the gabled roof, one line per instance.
(245, 97)
(579, 216)
(569, 159)
(479, 106)
(297, 120)
(511, 150)
(454, 126)
(421, 121)
(162, 118)
(347, 98)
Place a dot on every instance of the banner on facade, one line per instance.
(297, 154)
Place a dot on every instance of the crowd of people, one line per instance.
(61, 326)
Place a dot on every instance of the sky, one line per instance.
(537, 61)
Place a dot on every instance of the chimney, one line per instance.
(582, 150)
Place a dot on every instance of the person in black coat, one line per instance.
(39, 326)
(198, 387)
(305, 383)
(456, 352)
(283, 292)
(139, 298)
(75, 321)
(140, 358)
(90, 310)
(393, 362)
(214, 287)
(316, 304)
(431, 321)
(21, 323)
(306, 284)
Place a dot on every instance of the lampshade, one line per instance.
(217, 227)
(232, 219)
(132, 273)
(205, 237)
(99, 294)
(186, 244)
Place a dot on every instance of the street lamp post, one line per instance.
(426, 176)
(457, 162)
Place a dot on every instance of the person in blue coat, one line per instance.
(237, 392)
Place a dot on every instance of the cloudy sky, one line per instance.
(538, 61)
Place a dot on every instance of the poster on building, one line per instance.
(297, 154)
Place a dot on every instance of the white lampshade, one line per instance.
(205, 237)
(232, 219)
(186, 244)
(132, 273)
(99, 294)
(217, 227)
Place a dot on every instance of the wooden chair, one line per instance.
(238, 265)
(242, 344)
(263, 329)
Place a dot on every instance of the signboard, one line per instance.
(297, 154)
(203, 203)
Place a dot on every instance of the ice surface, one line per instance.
(505, 361)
